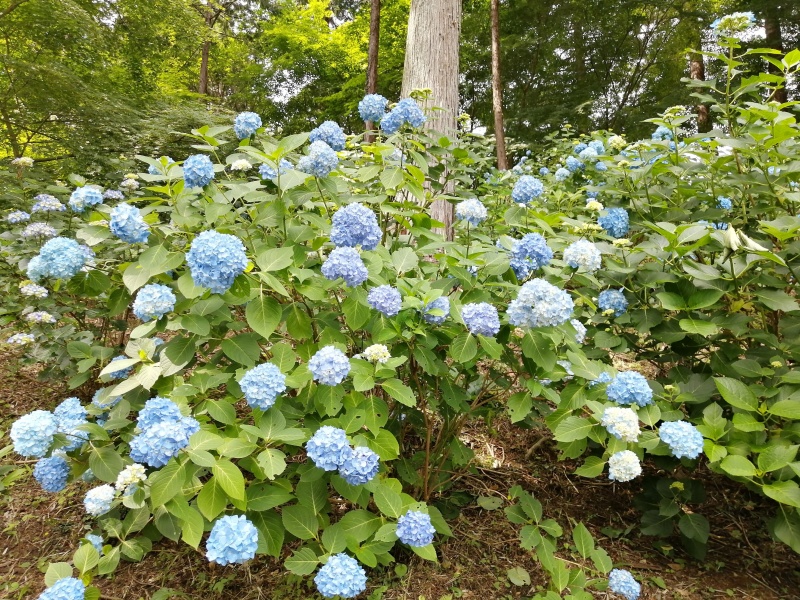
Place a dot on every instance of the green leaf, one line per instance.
(108, 562)
(56, 571)
(192, 528)
(105, 463)
(591, 467)
(404, 259)
(736, 393)
(538, 348)
(85, 558)
(704, 328)
(264, 314)
(271, 531)
(789, 409)
(275, 259)
(573, 428)
(360, 524)
(264, 496)
(400, 392)
(355, 313)
(490, 502)
(385, 445)
(464, 347)
(300, 521)
(212, 499)
(230, 478)
(583, 540)
(695, 527)
(787, 528)
(242, 348)
(426, 552)
(389, 502)
(333, 539)
(392, 177)
(778, 300)
(272, 462)
(302, 562)
(166, 483)
(776, 457)
(738, 466)
(158, 259)
(519, 576)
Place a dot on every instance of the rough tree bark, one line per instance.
(372, 56)
(202, 84)
(497, 89)
(772, 28)
(434, 31)
(697, 71)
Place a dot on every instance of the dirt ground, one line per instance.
(742, 562)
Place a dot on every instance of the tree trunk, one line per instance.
(772, 28)
(697, 71)
(372, 57)
(202, 85)
(434, 31)
(497, 89)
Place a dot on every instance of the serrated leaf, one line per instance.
(302, 562)
(464, 347)
(275, 259)
(400, 392)
(229, 478)
(85, 558)
(300, 521)
(166, 483)
(736, 393)
(738, 466)
(263, 315)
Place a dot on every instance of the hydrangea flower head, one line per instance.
(597, 146)
(107, 403)
(415, 529)
(562, 174)
(40, 316)
(153, 302)
(630, 387)
(385, 299)
(621, 422)
(580, 330)
(624, 466)
(84, 197)
(372, 107)
(96, 541)
(245, 124)
(159, 169)
(330, 133)
(328, 448)
(573, 164)
(17, 216)
(59, 258)
(526, 189)
(683, 439)
(530, 253)
(376, 353)
(32, 434)
(70, 415)
(262, 385)
(472, 211)
(406, 111)
(580, 147)
(602, 378)
(622, 582)
(583, 254)
(133, 474)
(588, 154)
(67, 588)
(617, 142)
(98, 500)
(114, 194)
(320, 161)
(481, 319)
(355, 225)
(600, 166)
(51, 473)
(158, 410)
(157, 444)
(329, 366)
(341, 576)
(129, 184)
(198, 171)
(734, 24)
(20, 339)
(233, 540)
(662, 132)
(31, 289)
(128, 224)
(38, 230)
(540, 304)
(615, 222)
(267, 172)
(612, 302)
(442, 303)
(724, 203)
(544, 171)
(346, 263)
(360, 466)
(241, 165)
(215, 260)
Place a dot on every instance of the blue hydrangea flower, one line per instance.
(341, 576)
(128, 224)
(724, 203)
(355, 225)
(415, 529)
(613, 301)
(441, 303)
(562, 174)
(267, 172)
(580, 330)
(67, 588)
(96, 541)
(198, 171)
(215, 260)
(320, 161)
(602, 378)
(115, 194)
(106, 404)
(31, 289)
(597, 146)
(588, 154)
(121, 373)
(662, 132)
(153, 302)
(59, 258)
(624, 466)
(385, 299)
(360, 466)
(17, 216)
(160, 170)
(621, 422)
(372, 107)
(329, 366)
(160, 442)
(580, 147)
(47, 203)
(158, 410)
(406, 111)
(20, 339)
(481, 319)
(52, 473)
(33, 433)
(630, 387)
(233, 540)
(245, 124)
(573, 164)
(615, 222)
(330, 133)
(262, 385)
(38, 230)
(84, 197)
(544, 171)
(526, 189)
(347, 264)
(328, 448)
(540, 304)
(600, 166)
(70, 415)
(583, 254)
(683, 439)
(472, 211)
(622, 582)
(98, 500)
(530, 253)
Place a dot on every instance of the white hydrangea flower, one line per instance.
(376, 353)
(130, 475)
(241, 165)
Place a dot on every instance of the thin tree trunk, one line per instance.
(434, 31)
(372, 57)
(772, 28)
(497, 90)
(697, 71)
(202, 85)
(11, 133)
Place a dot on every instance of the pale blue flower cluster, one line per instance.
(580, 330)
(530, 253)
(615, 222)
(245, 124)
(20, 339)
(341, 576)
(121, 373)
(613, 301)
(262, 385)
(128, 224)
(268, 172)
(98, 500)
(47, 203)
(233, 540)
(621, 422)
(630, 387)
(683, 439)
(52, 473)
(372, 107)
(622, 582)
(328, 448)
(600, 166)
(67, 588)
(96, 541)
(573, 164)
(330, 133)
(84, 197)
(59, 258)
(562, 174)
(597, 146)
(580, 147)
(441, 303)
(215, 260)
(113, 195)
(588, 154)
(385, 299)
(40, 316)
(153, 302)
(724, 203)
(544, 171)
(662, 132)
(540, 304)
(472, 211)
(107, 403)
(31, 289)
(602, 378)
(406, 111)
(624, 466)
(329, 366)
(415, 529)
(355, 225)
(17, 216)
(158, 169)
(158, 410)
(583, 254)
(320, 161)
(360, 466)
(345, 263)
(70, 415)
(526, 189)
(198, 171)
(164, 432)
(481, 319)
(32, 434)
(38, 230)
